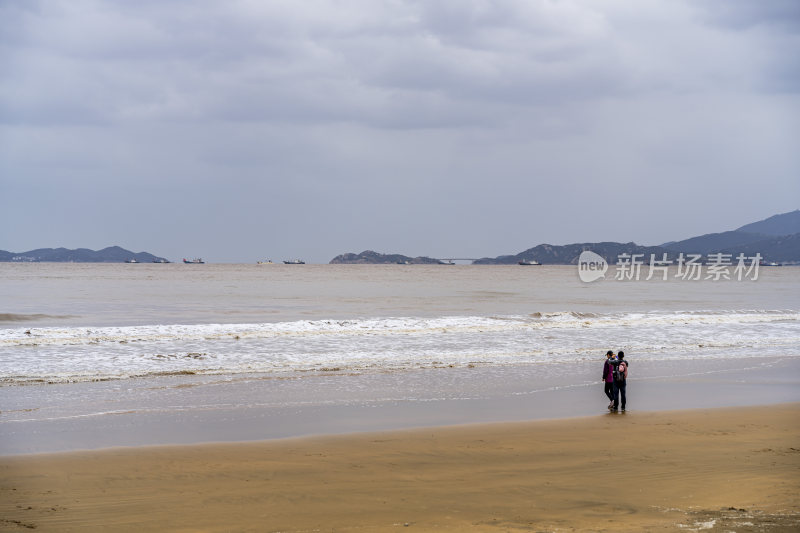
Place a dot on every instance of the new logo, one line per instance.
(591, 266)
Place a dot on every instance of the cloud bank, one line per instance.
(243, 129)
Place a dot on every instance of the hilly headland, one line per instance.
(776, 238)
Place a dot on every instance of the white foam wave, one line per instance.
(387, 344)
(381, 326)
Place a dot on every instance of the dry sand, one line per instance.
(713, 470)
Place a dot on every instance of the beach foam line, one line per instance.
(10, 337)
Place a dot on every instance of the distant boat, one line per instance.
(267, 262)
(131, 260)
(294, 262)
(196, 261)
(529, 262)
(160, 261)
(770, 264)
(446, 263)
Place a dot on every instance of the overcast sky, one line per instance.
(240, 130)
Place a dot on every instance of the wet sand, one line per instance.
(196, 409)
(730, 469)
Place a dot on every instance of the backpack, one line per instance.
(619, 372)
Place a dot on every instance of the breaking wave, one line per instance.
(381, 326)
(63, 354)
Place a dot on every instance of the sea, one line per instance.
(96, 355)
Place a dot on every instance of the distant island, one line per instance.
(777, 239)
(548, 254)
(368, 257)
(112, 254)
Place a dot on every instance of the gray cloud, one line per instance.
(781, 15)
(444, 127)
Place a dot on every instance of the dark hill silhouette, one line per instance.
(112, 254)
(548, 254)
(745, 236)
(714, 242)
(785, 249)
(775, 238)
(776, 226)
(368, 257)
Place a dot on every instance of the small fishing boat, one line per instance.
(529, 262)
(294, 262)
(160, 261)
(131, 260)
(195, 261)
(267, 262)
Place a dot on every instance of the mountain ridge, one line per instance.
(776, 238)
(762, 237)
(369, 257)
(110, 254)
(776, 226)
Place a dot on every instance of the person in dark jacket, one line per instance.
(620, 385)
(608, 378)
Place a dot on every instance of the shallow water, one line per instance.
(94, 355)
(191, 409)
(66, 323)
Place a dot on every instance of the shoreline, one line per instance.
(716, 469)
(190, 410)
(398, 430)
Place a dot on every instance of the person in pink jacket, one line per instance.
(620, 384)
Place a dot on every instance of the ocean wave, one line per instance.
(60, 355)
(338, 364)
(11, 337)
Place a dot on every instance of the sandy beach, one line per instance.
(730, 469)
